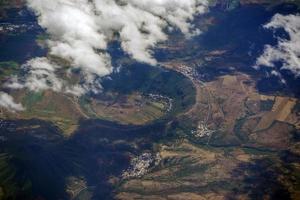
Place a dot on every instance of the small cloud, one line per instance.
(7, 102)
(287, 51)
(40, 76)
(278, 74)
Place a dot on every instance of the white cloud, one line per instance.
(7, 102)
(287, 51)
(40, 76)
(80, 31)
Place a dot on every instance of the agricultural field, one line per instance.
(233, 134)
(135, 109)
(192, 117)
(140, 103)
(59, 109)
(204, 172)
(67, 111)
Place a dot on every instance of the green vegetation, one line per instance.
(147, 80)
(85, 104)
(41, 39)
(238, 129)
(8, 68)
(266, 105)
(296, 109)
(258, 151)
(32, 98)
(52, 107)
(9, 184)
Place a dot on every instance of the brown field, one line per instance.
(230, 81)
(232, 105)
(131, 109)
(233, 93)
(281, 109)
(65, 111)
(286, 110)
(188, 150)
(277, 136)
(184, 165)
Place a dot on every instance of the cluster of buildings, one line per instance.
(158, 97)
(188, 72)
(140, 165)
(202, 131)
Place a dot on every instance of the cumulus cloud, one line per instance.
(40, 76)
(80, 31)
(80, 27)
(7, 102)
(287, 50)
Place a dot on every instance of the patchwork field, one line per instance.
(65, 111)
(202, 172)
(61, 110)
(230, 143)
(134, 109)
(281, 110)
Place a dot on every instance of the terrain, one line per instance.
(201, 125)
(236, 142)
(245, 138)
